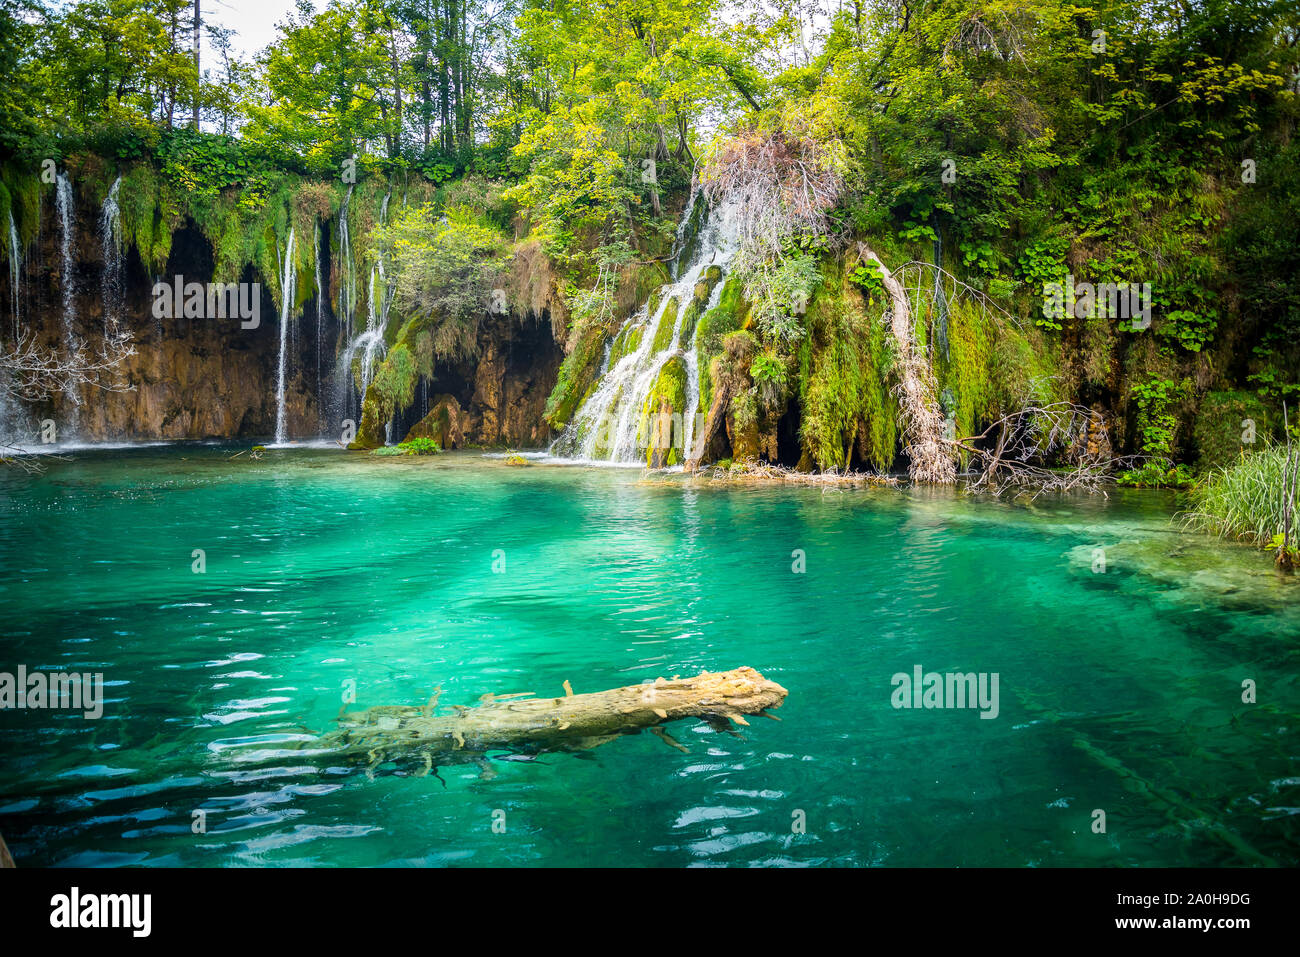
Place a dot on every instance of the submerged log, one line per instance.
(521, 723)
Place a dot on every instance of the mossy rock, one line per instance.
(843, 385)
(664, 331)
(604, 442)
(577, 374)
(626, 343)
(646, 282)
(691, 234)
(444, 423)
(713, 326)
(370, 433)
(689, 321)
(660, 430)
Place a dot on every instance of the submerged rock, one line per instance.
(1189, 568)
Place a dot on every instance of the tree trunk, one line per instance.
(918, 407)
(517, 722)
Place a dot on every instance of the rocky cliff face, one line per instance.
(199, 378)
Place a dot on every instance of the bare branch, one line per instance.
(31, 374)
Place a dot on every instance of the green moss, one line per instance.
(415, 446)
(23, 192)
(967, 372)
(844, 366)
(648, 280)
(395, 381)
(6, 205)
(689, 321)
(150, 215)
(691, 232)
(604, 440)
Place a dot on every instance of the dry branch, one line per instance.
(1026, 441)
(781, 186)
(31, 374)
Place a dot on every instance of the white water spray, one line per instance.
(15, 271)
(64, 209)
(110, 238)
(369, 345)
(63, 205)
(288, 290)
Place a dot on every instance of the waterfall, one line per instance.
(610, 424)
(63, 205)
(346, 312)
(288, 289)
(64, 209)
(110, 238)
(369, 345)
(15, 271)
(347, 270)
(320, 307)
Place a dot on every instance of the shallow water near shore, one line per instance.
(1120, 689)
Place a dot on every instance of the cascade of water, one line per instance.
(342, 405)
(15, 271)
(347, 269)
(320, 309)
(64, 209)
(288, 289)
(110, 238)
(611, 424)
(369, 345)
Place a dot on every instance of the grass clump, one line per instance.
(1248, 501)
(417, 446)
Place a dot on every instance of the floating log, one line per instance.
(517, 723)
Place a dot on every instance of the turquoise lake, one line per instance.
(1120, 671)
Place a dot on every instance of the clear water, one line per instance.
(1118, 691)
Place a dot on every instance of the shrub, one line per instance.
(1157, 474)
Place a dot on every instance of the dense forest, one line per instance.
(1005, 167)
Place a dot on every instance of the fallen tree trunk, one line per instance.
(520, 723)
(918, 407)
